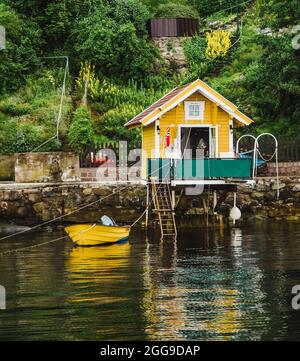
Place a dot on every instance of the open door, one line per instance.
(193, 139)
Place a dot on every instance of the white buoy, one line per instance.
(235, 212)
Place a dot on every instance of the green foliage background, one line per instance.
(260, 73)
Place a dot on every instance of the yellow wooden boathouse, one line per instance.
(192, 118)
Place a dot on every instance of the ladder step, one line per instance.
(163, 208)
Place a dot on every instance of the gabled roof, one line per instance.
(179, 94)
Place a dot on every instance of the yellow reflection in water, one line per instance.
(168, 305)
(97, 270)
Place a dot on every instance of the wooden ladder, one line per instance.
(161, 196)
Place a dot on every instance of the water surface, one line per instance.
(210, 285)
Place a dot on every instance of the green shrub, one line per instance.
(18, 137)
(20, 57)
(118, 50)
(81, 132)
(14, 109)
(175, 10)
(111, 124)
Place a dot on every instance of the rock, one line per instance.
(102, 191)
(258, 195)
(254, 203)
(38, 207)
(12, 196)
(261, 187)
(73, 199)
(22, 211)
(270, 196)
(285, 194)
(87, 191)
(272, 213)
(276, 186)
(296, 187)
(3, 205)
(34, 197)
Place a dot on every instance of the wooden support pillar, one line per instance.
(215, 200)
(173, 199)
(147, 206)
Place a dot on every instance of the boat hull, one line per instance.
(94, 235)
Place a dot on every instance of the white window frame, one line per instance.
(192, 117)
(210, 127)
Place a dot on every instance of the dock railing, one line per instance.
(164, 169)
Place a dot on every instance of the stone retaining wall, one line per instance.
(284, 168)
(7, 167)
(46, 167)
(33, 203)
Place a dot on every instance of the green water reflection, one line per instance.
(231, 285)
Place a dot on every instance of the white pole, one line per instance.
(147, 206)
(234, 205)
(277, 171)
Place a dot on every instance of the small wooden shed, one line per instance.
(192, 124)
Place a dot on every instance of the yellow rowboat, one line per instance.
(96, 234)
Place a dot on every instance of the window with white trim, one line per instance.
(194, 110)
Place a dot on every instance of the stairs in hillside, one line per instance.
(161, 196)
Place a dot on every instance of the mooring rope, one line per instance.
(16, 250)
(65, 215)
(62, 216)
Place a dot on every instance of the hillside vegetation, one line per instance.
(247, 50)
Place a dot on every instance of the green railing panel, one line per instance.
(212, 168)
(159, 167)
(183, 169)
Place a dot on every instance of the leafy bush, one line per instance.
(175, 10)
(13, 109)
(18, 137)
(117, 49)
(130, 11)
(81, 133)
(20, 57)
(111, 124)
(194, 49)
(208, 7)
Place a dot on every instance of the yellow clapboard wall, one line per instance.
(148, 146)
(213, 115)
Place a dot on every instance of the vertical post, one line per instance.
(277, 171)
(173, 199)
(147, 206)
(234, 205)
(215, 200)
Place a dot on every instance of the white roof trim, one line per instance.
(203, 91)
(237, 117)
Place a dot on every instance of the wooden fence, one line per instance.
(176, 27)
(110, 154)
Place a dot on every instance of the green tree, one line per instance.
(277, 13)
(116, 48)
(273, 85)
(21, 55)
(81, 133)
(175, 10)
(208, 7)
